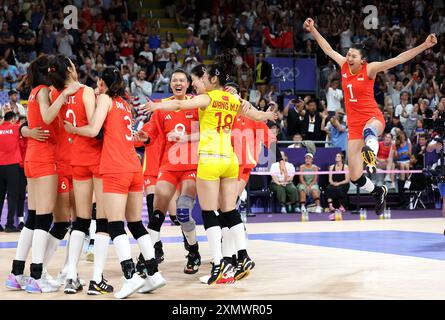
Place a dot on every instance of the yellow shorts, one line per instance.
(215, 167)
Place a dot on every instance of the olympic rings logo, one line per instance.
(285, 73)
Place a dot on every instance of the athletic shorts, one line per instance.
(150, 181)
(123, 183)
(86, 172)
(217, 167)
(356, 126)
(39, 169)
(302, 187)
(176, 177)
(244, 173)
(65, 179)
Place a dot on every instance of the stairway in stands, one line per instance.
(155, 13)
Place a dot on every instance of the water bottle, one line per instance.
(244, 216)
(303, 216)
(365, 214)
(389, 213)
(382, 216)
(362, 214)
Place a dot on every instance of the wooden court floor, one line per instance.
(373, 259)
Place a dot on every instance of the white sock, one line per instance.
(239, 237)
(51, 247)
(369, 185)
(122, 247)
(92, 229)
(75, 249)
(39, 240)
(100, 255)
(373, 143)
(154, 235)
(190, 236)
(214, 239)
(146, 247)
(228, 248)
(24, 244)
(21, 219)
(67, 253)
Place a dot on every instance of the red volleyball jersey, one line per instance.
(85, 151)
(118, 152)
(38, 151)
(177, 156)
(358, 94)
(383, 153)
(152, 150)
(247, 137)
(23, 144)
(64, 139)
(10, 144)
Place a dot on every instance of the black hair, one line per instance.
(9, 116)
(233, 85)
(361, 47)
(114, 81)
(58, 70)
(222, 68)
(179, 70)
(38, 72)
(199, 70)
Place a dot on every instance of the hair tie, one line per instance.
(217, 72)
(227, 77)
(51, 69)
(204, 69)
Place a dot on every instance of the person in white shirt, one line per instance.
(147, 53)
(284, 188)
(141, 88)
(404, 109)
(334, 96)
(13, 105)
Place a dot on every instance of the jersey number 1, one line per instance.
(351, 99)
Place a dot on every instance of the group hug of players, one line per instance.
(195, 146)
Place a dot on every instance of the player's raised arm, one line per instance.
(201, 101)
(378, 66)
(324, 45)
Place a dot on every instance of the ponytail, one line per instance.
(114, 81)
(58, 70)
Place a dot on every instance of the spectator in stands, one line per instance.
(10, 74)
(88, 75)
(245, 76)
(297, 139)
(308, 184)
(163, 55)
(276, 130)
(334, 96)
(385, 158)
(404, 109)
(10, 158)
(419, 150)
(27, 40)
(294, 113)
(395, 87)
(214, 36)
(243, 40)
(313, 124)
(147, 53)
(338, 184)
(65, 41)
(284, 39)
(154, 39)
(338, 130)
(141, 88)
(204, 30)
(13, 105)
(172, 44)
(171, 65)
(191, 41)
(160, 83)
(6, 42)
(127, 46)
(228, 34)
(262, 75)
(284, 189)
(395, 123)
(402, 155)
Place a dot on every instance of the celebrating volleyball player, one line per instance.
(217, 170)
(177, 168)
(365, 120)
(122, 182)
(85, 159)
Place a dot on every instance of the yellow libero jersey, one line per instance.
(216, 122)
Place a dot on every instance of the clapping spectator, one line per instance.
(338, 131)
(9, 73)
(141, 88)
(334, 96)
(13, 105)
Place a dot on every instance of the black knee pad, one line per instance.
(59, 230)
(360, 181)
(222, 219)
(44, 221)
(210, 219)
(116, 228)
(31, 220)
(82, 224)
(156, 222)
(233, 218)
(102, 226)
(93, 211)
(137, 229)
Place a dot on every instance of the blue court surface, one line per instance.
(404, 243)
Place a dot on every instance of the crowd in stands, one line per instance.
(113, 32)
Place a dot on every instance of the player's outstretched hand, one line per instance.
(431, 40)
(39, 134)
(148, 107)
(141, 136)
(309, 25)
(245, 105)
(272, 116)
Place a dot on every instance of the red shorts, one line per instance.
(244, 173)
(355, 129)
(176, 177)
(65, 180)
(150, 181)
(123, 183)
(39, 169)
(86, 172)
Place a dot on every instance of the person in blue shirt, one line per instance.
(338, 130)
(9, 74)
